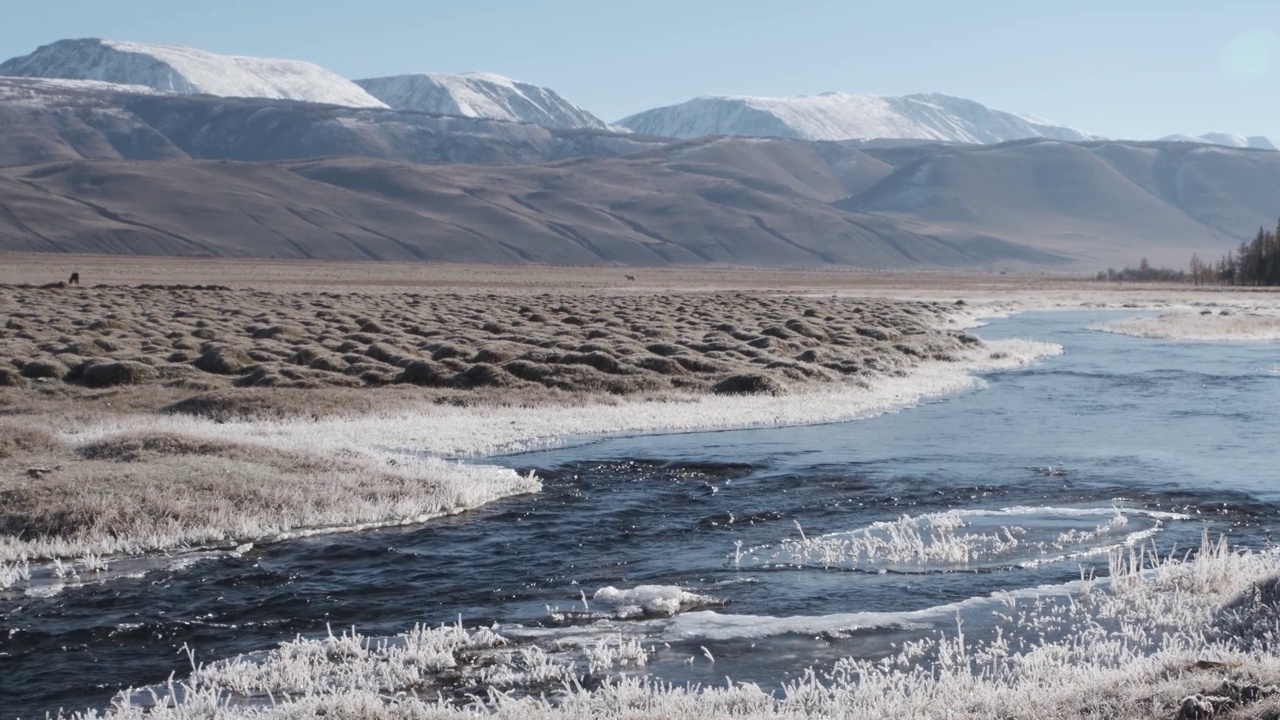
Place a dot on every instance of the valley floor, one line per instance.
(168, 404)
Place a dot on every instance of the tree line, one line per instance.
(1253, 263)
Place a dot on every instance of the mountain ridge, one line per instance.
(481, 95)
(183, 70)
(175, 69)
(763, 203)
(845, 116)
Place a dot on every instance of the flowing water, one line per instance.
(793, 546)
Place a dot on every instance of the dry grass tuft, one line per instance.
(19, 441)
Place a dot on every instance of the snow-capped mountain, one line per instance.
(840, 116)
(187, 71)
(480, 95)
(1257, 142)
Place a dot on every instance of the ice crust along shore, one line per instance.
(453, 432)
(1202, 326)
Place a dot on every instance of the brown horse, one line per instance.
(75, 279)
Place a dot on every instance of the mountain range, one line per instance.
(174, 69)
(121, 148)
(840, 116)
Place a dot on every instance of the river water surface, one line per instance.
(782, 532)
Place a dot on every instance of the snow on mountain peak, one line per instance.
(480, 95)
(843, 116)
(1257, 142)
(182, 70)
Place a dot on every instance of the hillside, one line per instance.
(51, 120)
(727, 202)
(98, 167)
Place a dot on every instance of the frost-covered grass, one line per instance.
(14, 573)
(126, 494)
(1135, 645)
(1205, 325)
(960, 539)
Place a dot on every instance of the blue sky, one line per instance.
(1124, 68)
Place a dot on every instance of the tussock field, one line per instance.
(155, 418)
(211, 339)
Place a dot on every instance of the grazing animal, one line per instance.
(632, 278)
(75, 279)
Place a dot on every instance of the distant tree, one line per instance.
(1143, 273)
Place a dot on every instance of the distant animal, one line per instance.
(75, 279)
(632, 278)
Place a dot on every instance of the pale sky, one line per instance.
(1123, 68)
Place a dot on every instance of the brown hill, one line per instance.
(101, 171)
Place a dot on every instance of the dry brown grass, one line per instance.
(198, 350)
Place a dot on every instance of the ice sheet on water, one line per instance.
(963, 540)
(47, 579)
(637, 603)
(712, 625)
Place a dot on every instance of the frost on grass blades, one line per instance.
(963, 540)
(1134, 645)
(1203, 325)
(164, 492)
